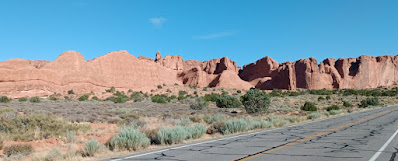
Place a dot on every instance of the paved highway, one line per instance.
(368, 135)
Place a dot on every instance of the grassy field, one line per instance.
(93, 126)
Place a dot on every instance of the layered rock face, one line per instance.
(362, 72)
(20, 78)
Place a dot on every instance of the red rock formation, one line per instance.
(19, 78)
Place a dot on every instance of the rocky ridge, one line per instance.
(20, 78)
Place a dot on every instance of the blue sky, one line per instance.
(245, 30)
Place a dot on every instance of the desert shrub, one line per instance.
(1, 142)
(160, 87)
(160, 98)
(23, 99)
(369, 102)
(277, 121)
(327, 97)
(53, 98)
(168, 91)
(205, 89)
(347, 104)
(35, 100)
(215, 127)
(238, 91)
(23, 128)
(211, 97)
(18, 149)
(322, 92)
(182, 93)
(234, 126)
(129, 139)
(227, 101)
(199, 104)
(71, 92)
(4, 99)
(196, 118)
(54, 154)
(111, 90)
(70, 136)
(184, 121)
(320, 98)
(333, 107)
(214, 118)
(120, 97)
(292, 119)
(276, 93)
(195, 131)
(95, 98)
(180, 98)
(171, 135)
(257, 123)
(255, 101)
(335, 112)
(136, 96)
(90, 148)
(84, 97)
(314, 115)
(309, 106)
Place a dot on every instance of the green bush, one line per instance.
(182, 93)
(369, 102)
(53, 98)
(112, 90)
(4, 99)
(199, 104)
(234, 126)
(90, 148)
(195, 131)
(255, 101)
(95, 98)
(333, 107)
(160, 87)
(160, 98)
(184, 121)
(314, 115)
(211, 97)
(18, 149)
(320, 98)
(328, 97)
(35, 100)
(277, 121)
(84, 97)
(120, 97)
(23, 99)
(347, 104)
(171, 135)
(205, 89)
(309, 106)
(227, 101)
(136, 96)
(71, 92)
(238, 91)
(129, 139)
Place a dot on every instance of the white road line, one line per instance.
(210, 141)
(383, 147)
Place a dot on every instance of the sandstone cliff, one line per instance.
(19, 77)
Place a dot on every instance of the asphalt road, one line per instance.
(360, 136)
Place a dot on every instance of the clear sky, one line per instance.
(245, 30)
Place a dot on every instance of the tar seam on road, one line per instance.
(250, 156)
(383, 147)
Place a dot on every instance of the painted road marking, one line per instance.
(250, 156)
(383, 147)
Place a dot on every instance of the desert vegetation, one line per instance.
(101, 125)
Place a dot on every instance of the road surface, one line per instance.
(368, 135)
